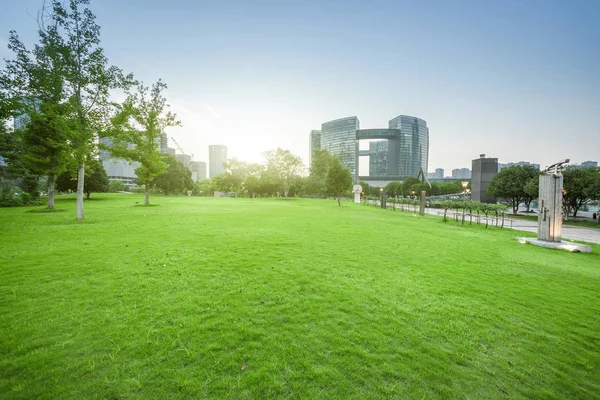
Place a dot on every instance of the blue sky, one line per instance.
(515, 79)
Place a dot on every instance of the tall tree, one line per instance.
(136, 130)
(532, 191)
(33, 82)
(81, 78)
(580, 185)
(285, 166)
(96, 180)
(509, 185)
(317, 179)
(339, 179)
(176, 178)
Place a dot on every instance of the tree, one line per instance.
(221, 183)
(81, 79)
(176, 178)
(339, 179)
(33, 93)
(317, 179)
(96, 180)
(579, 186)
(235, 172)
(509, 185)
(203, 188)
(406, 185)
(253, 182)
(393, 189)
(116, 186)
(285, 167)
(532, 191)
(136, 131)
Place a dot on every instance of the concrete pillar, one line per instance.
(550, 207)
(422, 205)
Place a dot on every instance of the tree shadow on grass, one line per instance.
(46, 210)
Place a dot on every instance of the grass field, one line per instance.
(241, 299)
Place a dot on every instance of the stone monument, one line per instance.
(550, 212)
(357, 189)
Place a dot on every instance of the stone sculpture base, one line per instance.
(562, 245)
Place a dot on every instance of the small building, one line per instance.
(483, 170)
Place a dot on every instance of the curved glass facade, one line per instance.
(338, 137)
(412, 150)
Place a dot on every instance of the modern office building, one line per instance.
(520, 163)
(315, 144)
(198, 170)
(484, 170)
(406, 147)
(118, 169)
(461, 173)
(184, 159)
(587, 164)
(378, 165)
(217, 155)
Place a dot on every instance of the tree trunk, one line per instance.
(339, 203)
(87, 195)
(80, 178)
(147, 200)
(51, 182)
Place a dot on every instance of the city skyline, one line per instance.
(514, 80)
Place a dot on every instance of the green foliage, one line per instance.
(176, 179)
(316, 183)
(509, 185)
(116, 186)
(532, 190)
(203, 188)
(407, 184)
(63, 86)
(580, 185)
(339, 179)
(96, 181)
(135, 134)
(284, 167)
(394, 189)
(31, 184)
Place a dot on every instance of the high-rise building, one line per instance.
(587, 164)
(484, 170)
(406, 144)
(461, 173)
(315, 144)
(338, 137)
(439, 173)
(198, 170)
(118, 169)
(378, 165)
(217, 155)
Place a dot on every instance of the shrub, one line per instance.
(116, 186)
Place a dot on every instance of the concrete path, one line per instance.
(590, 235)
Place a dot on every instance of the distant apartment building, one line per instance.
(587, 164)
(198, 170)
(437, 174)
(315, 144)
(217, 155)
(520, 163)
(484, 169)
(461, 173)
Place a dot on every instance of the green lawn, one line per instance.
(258, 299)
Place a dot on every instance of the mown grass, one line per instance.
(241, 298)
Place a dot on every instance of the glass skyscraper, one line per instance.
(403, 153)
(217, 155)
(338, 137)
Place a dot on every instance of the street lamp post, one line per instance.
(381, 201)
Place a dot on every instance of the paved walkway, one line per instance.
(590, 235)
